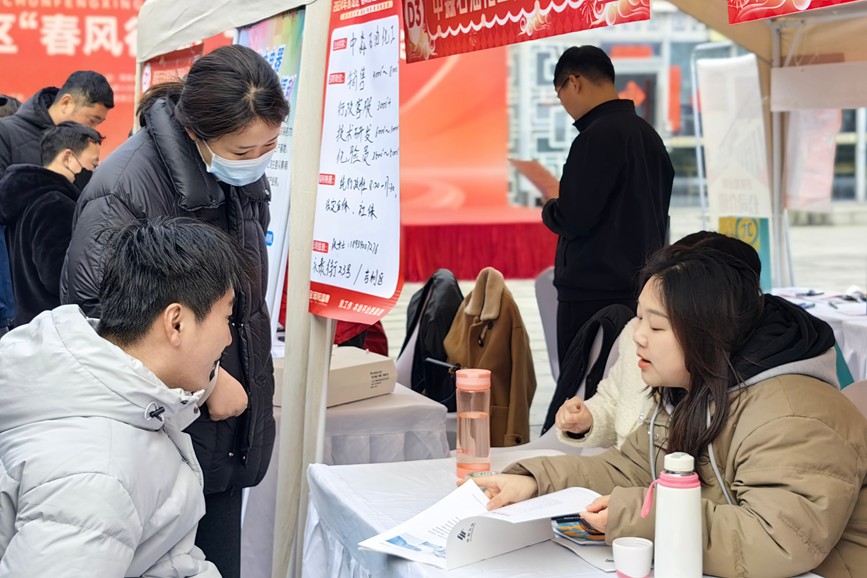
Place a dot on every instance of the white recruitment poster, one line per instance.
(736, 158)
(355, 266)
(811, 144)
(278, 40)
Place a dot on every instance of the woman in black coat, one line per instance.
(202, 153)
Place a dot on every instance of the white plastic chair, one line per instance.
(403, 363)
(546, 299)
(857, 394)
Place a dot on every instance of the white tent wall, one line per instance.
(813, 38)
(166, 25)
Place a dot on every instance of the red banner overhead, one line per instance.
(436, 28)
(746, 10)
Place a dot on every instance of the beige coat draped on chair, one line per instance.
(488, 333)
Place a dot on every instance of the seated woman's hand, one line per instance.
(574, 417)
(597, 513)
(505, 489)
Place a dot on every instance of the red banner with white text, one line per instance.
(41, 43)
(355, 263)
(747, 10)
(436, 28)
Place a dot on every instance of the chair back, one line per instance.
(546, 299)
(857, 394)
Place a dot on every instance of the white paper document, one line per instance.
(459, 530)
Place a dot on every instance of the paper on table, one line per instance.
(568, 501)
(423, 538)
(601, 557)
(458, 530)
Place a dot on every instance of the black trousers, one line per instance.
(572, 315)
(219, 534)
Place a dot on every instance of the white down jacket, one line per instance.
(96, 476)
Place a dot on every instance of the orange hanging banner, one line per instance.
(436, 28)
(747, 10)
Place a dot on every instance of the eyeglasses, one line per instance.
(566, 80)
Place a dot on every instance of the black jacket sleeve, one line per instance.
(82, 271)
(5, 149)
(51, 226)
(593, 171)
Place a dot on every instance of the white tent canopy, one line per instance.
(166, 25)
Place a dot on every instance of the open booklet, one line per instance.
(459, 530)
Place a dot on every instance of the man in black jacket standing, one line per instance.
(37, 203)
(85, 98)
(612, 208)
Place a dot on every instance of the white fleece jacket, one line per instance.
(622, 400)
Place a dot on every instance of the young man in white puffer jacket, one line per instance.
(96, 476)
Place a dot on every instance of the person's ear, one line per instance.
(67, 104)
(191, 134)
(173, 320)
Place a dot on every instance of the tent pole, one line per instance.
(860, 154)
(306, 360)
(780, 273)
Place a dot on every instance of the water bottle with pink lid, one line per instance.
(474, 424)
(678, 540)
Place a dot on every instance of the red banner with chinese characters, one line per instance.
(747, 10)
(41, 43)
(436, 28)
(355, 262)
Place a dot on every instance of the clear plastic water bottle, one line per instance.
(474, 424)
(677, 548)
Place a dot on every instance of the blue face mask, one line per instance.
(240, 172)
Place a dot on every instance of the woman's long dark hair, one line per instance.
(225, 91)
(713, 302)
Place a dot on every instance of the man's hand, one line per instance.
(597, 513)
(228, 398)
(574, 417)
(505, 489)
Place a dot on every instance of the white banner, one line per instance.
(736, 159)
(811, 145)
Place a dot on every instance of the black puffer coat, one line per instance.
(158, 172)
(21, 133)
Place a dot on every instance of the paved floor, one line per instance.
(832, 257)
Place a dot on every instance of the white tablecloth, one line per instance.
(850, 330)
(352, 503)
(396, 427)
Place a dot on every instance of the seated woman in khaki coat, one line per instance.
(744, 384)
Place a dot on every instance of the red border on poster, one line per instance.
(748, 10)
(436, 28)
(329, 300)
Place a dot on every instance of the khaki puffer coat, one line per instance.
(793, 457)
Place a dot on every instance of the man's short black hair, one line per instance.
(588, 61)
(152, 264)
(67, 135)
(87, 88)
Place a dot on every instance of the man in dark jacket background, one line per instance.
(85, 98)
(612, 209)
(37, 203)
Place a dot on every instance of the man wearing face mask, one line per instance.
(36, 207)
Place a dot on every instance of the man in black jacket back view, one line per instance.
(85, 98)
(37, 203)
(612, 208)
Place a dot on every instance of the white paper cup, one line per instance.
(632, 557)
